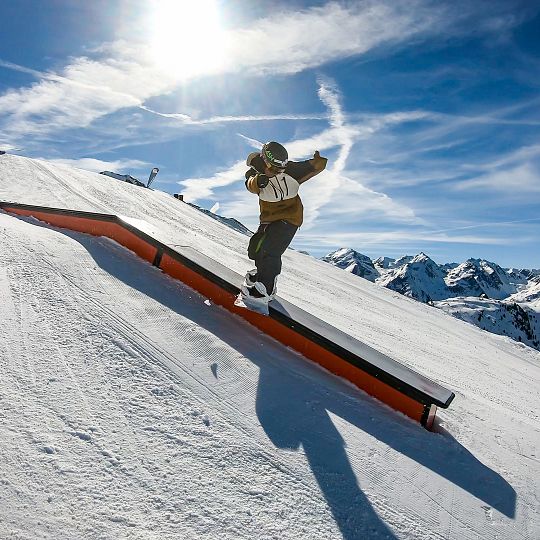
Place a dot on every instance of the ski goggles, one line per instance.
(276, 166)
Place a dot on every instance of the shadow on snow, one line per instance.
(293, 407)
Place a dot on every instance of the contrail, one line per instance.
(492, 224)
(248, 118)
(22, 69)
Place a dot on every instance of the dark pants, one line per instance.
(267, 246)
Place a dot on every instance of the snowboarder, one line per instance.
(276, 181)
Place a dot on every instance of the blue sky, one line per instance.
(429, 111)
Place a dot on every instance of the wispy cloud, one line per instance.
(7, 147)
(85, 91)
(519, 181)
(514, 157)
(194, 189)
(336, 192)
(399, 244)
(454, 153)
(333, 191)
(399, 237)
(445, 125)
(123, 74)
(97, 165)
(352, 28)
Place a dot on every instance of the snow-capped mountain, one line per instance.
(420, 278)
(501, 301)
(402, 260)
(384, 263)
(353, 262)
(476, 277)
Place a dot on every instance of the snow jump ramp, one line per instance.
(379, 375)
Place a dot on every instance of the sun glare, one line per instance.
(187, 37)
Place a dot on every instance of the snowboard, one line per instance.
(252, 304)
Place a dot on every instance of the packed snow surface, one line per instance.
(131, 407)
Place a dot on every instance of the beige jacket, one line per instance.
(279, 200)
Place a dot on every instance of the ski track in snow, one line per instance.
(130, 408)
(131, 343)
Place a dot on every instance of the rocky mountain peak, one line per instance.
(356, 263)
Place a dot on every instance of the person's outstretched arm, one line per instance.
(304, 170)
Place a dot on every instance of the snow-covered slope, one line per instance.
(230, 222)
(130, 408)
(518, 321)
(530, 293)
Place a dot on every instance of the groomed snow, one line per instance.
(132, 408)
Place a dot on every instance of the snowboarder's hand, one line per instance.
(262, 180)
(318, 162)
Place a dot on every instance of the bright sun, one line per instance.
(187, 37)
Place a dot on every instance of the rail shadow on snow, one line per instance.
(294, 408)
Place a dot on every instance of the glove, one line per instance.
(319, 163)
(262, 180)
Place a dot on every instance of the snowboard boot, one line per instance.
(255, 298)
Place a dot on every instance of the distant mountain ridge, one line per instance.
(353, 262)
(418, 277)
(501, 301)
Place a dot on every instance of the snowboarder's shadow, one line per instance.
(295, 413)
(294, 410)
(294, 417)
